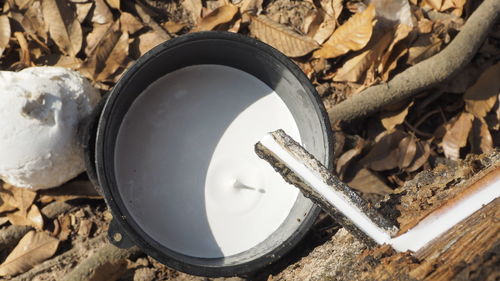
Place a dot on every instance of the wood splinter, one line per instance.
(300, 168)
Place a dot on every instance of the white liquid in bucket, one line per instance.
(186, 167)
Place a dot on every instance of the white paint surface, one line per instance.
(186, 166)
(40, 108)
(437, 224)
(334, 197)
(430, 228)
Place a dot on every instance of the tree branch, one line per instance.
(425, 74)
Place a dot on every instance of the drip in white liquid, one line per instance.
(185, 162)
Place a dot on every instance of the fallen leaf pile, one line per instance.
(21, 206)
(343, 46)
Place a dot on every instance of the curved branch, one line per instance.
(425, 74)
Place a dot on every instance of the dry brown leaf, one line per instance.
(457, 131)
(482, 96)
(99, 35)
(4, 33)
(24, 52)
(353, 35)
(35, 216)
(130, 23)
(353, 69)
(85, 228)
(425, 26)
(22, 4)
(101, 13)
(385, 154)
(32, 249)
(407, 150)
(82, 10)
(116, 58)
(32, 218)
(235, 28)
(115, 4)
(347, 156)
(21, 198)
(253, 7)
(33, 22)
(424, 47)
(389, 60)
(366, 181)
(6, 207)
(3, 220)
(390, 119)
(218, 16)
(148, 41)
(65, 224)
(480, 137)
(421, 155)
(173, 27)
(60, 60)
(281, 37)
(101, 43)
(322, 27)
(332, 7)
(393, 11)
(194, 8)
(79, 189)
(64, 27)
(435, 4)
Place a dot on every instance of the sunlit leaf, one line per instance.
(354, 68)
(21, 198)
(101, 13)
(353, 35)
(64, 27)
(217, 17)
(148, 41)
(281, 37)
(130, 23)
(4, 33)
(457, 131)
(83, 9)
(115, 4)
(322, 27)
(33, 22)
(33, 248)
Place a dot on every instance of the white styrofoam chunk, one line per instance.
(40, 109)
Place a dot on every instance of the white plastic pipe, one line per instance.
(430, 228)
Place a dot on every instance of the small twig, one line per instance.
(427, 115)
(417, 131)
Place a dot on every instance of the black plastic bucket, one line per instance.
(214, 48)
